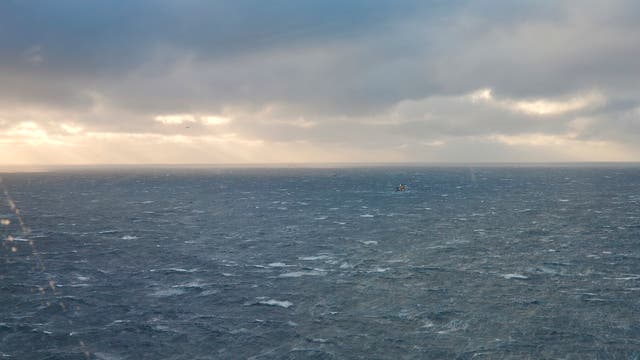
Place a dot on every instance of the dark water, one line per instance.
(485, 263)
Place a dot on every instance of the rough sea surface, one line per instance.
(470, 263)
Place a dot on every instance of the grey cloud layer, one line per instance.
(345, 67)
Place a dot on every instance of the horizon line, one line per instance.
(12, 168)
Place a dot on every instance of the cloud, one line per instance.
(214, 120)
(175, 119)
(415, 80)
(33, 55)
(541, 106)
(71, 129)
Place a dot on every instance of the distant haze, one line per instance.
(185, 82)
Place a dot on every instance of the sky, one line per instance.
(301, 81)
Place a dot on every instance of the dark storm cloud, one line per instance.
(97, 36)
(77, 46)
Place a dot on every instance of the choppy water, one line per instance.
(484, 263)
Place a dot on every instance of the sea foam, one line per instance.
(303, 273)
(271, 302)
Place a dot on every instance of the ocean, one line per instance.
(504, 262)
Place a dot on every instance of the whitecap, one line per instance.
(163, 328)
(277, 264)
(454, 325)
(625, 277)
(190, 284)
(515, 276)
(177, 270)
(168, 292)
(312, 258)
(118, 321)
(545, 270)
(209, 292)
(395, 261)
(294, 274)
(367, 216)
(239, 331)
(106, 356)
(427, 324)
(271, 302)
(80, 285)
(108, 232)
(370, 242)
(129, 237)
